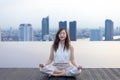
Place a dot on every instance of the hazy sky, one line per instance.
(87, 13)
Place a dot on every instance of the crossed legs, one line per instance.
(53, 71)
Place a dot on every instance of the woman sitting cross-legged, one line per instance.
(61, 61)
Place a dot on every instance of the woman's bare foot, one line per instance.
(60, 73)
(79, 67)
(41, 65)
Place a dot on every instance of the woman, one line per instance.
(62, 54)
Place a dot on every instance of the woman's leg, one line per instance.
(48, 69)
(72, 71)
(52, 70)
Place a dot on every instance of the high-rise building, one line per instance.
(63, 24)
(117, 31)
(45, 26)
(25, 32)
(0, 35)
(95, 35)
(72, 30)
(108, 30)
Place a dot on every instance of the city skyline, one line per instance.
(87, 13)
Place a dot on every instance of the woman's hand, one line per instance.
(41, 65)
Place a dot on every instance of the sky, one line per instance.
(87, 13)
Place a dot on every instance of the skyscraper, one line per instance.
(108, 30)
(45, 26)
(63, 24)
(25, 32)
(95, 35)
(72, 30)
(0, 35)
(117, 31)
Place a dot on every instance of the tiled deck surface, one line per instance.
(34, 74)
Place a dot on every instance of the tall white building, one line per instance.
(25, 32)
(95, 35)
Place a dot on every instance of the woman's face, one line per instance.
(62, 35)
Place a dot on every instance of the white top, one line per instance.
(61, 55)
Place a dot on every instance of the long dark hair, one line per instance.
(57, 40)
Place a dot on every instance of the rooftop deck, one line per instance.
(34, 74)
